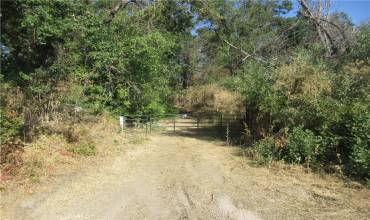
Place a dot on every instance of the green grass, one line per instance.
(85, 149)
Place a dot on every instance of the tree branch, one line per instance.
(121, 5)
(247, 55)
(323, 31)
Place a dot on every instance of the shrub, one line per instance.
(360, 156)
(266, 150)
(11, 120)
(302, 146)
(11, 159)
(85, 149)
(300, 87)
(360, 160)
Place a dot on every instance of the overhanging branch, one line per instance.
(247, 55)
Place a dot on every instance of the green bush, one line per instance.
(302, 146)
(11, 120)
(266, 150)
(325, 109)
(360, 156)
(360, 160)
(85, 149)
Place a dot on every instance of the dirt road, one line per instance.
(178, 177)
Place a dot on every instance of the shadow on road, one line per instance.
(211, 133)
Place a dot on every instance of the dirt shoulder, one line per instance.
(179, 177)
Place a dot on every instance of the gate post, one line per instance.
(150, 125)
(122, 122)
(146, 128)
(174, 124)
(227, 133)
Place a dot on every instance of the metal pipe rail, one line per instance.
(180, 122)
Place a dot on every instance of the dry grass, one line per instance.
(296, 192)
(66, 151)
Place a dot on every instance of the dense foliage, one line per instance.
(58, 54)
(302, 104)
(302, 82)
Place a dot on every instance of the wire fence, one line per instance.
(227, 125)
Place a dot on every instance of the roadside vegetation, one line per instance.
(300, 82)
